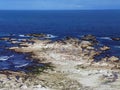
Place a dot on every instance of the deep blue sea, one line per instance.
(101, 23)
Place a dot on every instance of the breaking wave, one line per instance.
(50, 36)
(4, 58)
(23, 65)
(106, 38)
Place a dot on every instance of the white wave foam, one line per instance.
(4, 58)
(21, 65)
(50, 36)
(21, 39)
(117, 46)
(21, 35)
(107, 38)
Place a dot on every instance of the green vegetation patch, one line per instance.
(37, 69)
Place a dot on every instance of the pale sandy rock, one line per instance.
(104, 48)
(114, 59)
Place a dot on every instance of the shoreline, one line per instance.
(71, 64)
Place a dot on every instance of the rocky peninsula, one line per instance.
(67, 64)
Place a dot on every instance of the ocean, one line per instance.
(76, 23)
(98, 22)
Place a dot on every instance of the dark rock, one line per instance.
(41, 35)
(71, 40)
(68, 38)
(90, 38)
(6, 38)
(37, 68)
(116, 38)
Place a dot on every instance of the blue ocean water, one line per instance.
(97, 22)
(101, 23)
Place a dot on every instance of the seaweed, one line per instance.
(38, 69)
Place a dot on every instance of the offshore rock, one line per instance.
(6, 39)
(41, 35)
(90, 38)
(116, 39)
(105, 48)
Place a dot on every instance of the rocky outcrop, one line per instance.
(74, 63)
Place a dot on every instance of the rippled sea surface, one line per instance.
(101, 23)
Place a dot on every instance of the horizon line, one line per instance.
(51, 9)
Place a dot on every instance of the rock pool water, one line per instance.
(10, 60)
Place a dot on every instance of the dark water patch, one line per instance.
(10, 60)
(114, 45)
(61, 23)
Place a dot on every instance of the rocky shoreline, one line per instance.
(69, 64)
